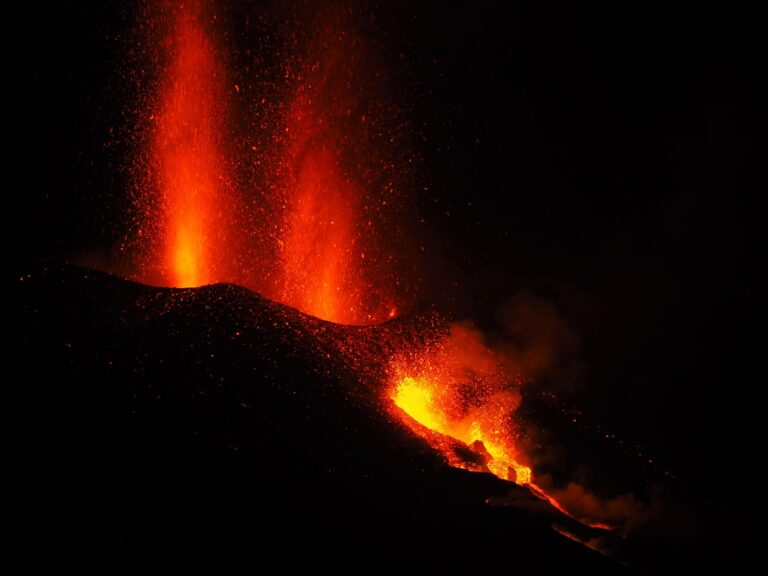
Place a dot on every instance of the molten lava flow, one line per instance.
(458, 388)
(416, 399)
(184, 205)
(482, 428)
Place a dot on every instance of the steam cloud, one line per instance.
(534, 344)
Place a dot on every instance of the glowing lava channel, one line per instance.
(417, 397)
(456, 390)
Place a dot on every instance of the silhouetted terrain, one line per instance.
(169, 428)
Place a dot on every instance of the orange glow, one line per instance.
(187, 158)
(336, 214)
(416, 399)
(309, 215)
(318, 248)
(420, 399)
(483, 431)
(458, 389)
(321, 227)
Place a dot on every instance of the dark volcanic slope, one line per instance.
(209, 428)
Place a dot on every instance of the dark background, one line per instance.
(597, 158)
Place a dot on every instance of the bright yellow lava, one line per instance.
(433, 403)
(417, 398)
(187, 256)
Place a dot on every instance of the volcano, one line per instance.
(430, 285)
(211, 427)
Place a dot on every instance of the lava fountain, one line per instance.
(184, 203)
(318, 248)
(316, 226)
(342, 195)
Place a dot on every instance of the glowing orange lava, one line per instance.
(482, 428)
(458, 388)
(335, 258)
(318, 247)
(419, 399)
(313, 225)
(186, 149)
